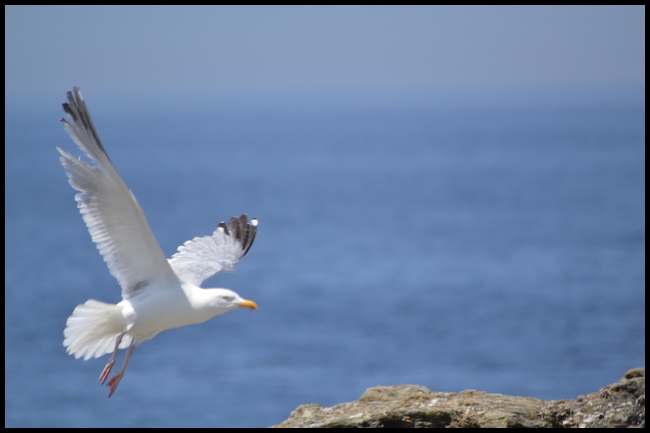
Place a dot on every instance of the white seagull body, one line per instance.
(157, 293)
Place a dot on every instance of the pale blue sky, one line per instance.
(221, 50)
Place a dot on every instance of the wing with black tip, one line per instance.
(202, 257)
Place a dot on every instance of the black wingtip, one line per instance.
(235, 228)
(250, 231)
(78, 112)
(241, 230)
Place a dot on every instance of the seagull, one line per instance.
(157, 293)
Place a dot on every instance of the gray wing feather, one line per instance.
(202, 257)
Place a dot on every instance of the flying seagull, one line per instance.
(157, 293)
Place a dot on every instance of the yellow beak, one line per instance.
(248, 304)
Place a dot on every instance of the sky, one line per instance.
(256, 49)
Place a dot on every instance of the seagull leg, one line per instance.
(109, 365)
(115, 380)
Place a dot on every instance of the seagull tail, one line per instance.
(92, 329)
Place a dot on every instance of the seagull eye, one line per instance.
(227, 298)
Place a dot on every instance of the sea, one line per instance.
(495, 245)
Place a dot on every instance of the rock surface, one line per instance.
(621, 404)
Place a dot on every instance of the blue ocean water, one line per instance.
(498, 248)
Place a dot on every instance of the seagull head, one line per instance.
(227, 300)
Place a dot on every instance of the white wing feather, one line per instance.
(202, 257)
(114, 218)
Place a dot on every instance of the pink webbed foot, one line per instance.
(109, 365)
(114, 382)
(106, 371)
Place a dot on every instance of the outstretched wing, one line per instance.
(202, 257)
(114, 218)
